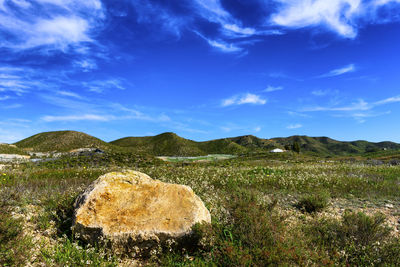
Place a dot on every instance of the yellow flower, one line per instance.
(4, 174)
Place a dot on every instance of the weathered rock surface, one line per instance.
(134, 213)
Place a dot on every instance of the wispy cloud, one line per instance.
(294, 126)
(221, 45)
(335, 14)
(85, 117)
(70, 94)
(244, 99)
(270, 88)
(389, 100)
(358, 110)
(355, 106)
(320, 92)
(86, 65)
(298, 114)
(240, 129)
(224, 47)
(340, 71)
(361, 117)
(100, 86)
(344, 17)
(43, 24)
(11, 106)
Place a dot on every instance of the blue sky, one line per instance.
(204, 69)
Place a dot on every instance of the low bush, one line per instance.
(314, 202)
(13, 244)
(357, 239)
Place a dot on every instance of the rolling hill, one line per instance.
(328, 146)
(61, 141)
(170, 144)
(165, 144)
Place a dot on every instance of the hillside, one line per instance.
(11, 149)
(170, 144)
(165, 144)
(253, 142)
(221, 146)
(328, 146)
(61, 141)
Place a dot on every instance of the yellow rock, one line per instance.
(133, 212)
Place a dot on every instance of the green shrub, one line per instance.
(357, 239)
(60, 210)
(314, 202)
(13, 244)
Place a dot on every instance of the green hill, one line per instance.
(165, 144)
(221, 146)
(170, 144)
(11, 149)
(61, 141)
(253, 142)
(328, 146)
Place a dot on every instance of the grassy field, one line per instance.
(213, 157)
(283, 210)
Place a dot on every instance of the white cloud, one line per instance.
(344, 17)
(224, 47)
(340, 71)
(384, 2)
(270, 88)
(99, 86)
(257, 129)
(359, 105)
(12, 106)
(59, 24)
(2, 98)
(359, 110)
(337, 15)
(244, 99)
(298, 114)
(221, 45)
(294, 126)
(85, 117)
(320, 92)
(389, 100)
(86, 65)
(70, 94)
(229, 26)
(251, 99)
(239, 30)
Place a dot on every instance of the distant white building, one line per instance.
(277, 150)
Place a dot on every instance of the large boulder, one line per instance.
(135, 214)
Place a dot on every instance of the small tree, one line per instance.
(296, 147)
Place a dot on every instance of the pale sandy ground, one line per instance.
(13, 157)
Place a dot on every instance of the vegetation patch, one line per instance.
(251, 199)
(313, 202)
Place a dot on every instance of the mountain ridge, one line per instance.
(170, 144)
